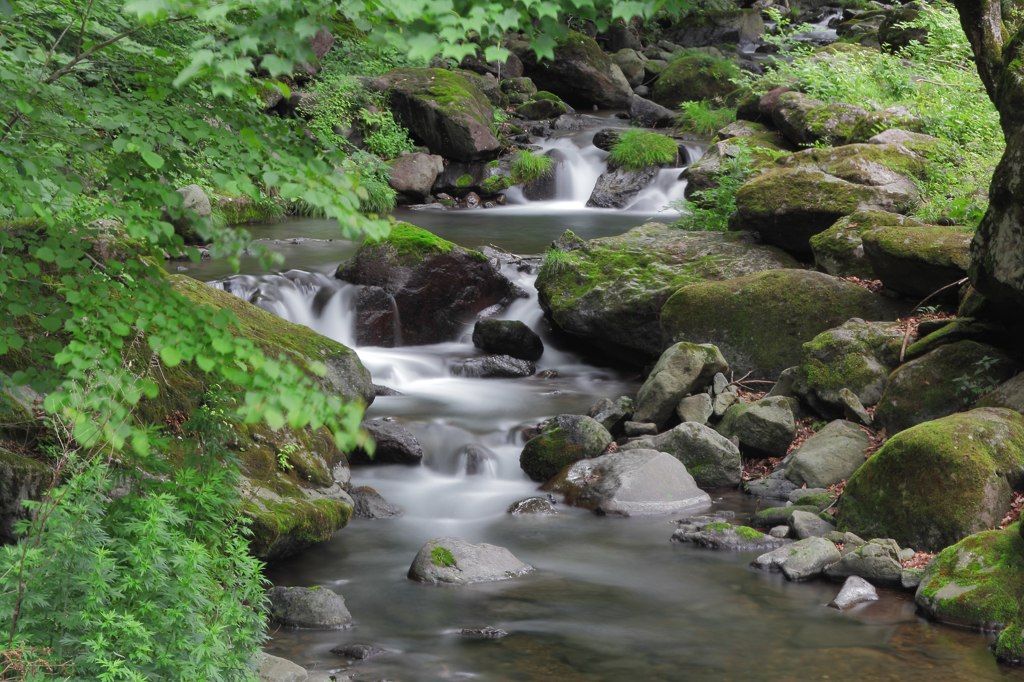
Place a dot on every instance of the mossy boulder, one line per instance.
(1008, 394)
(856, 355)
(683, 368)
(580, 73)
(806, 121)
(21, 478)
(918, 261)
(762, 143)
(543, 105)
(764, 428)
(760, 321)
(443, 110)
(979, 583)
(832, 454)
(807, 192)
(938, 482)
(563, 440)
(946, 380)
(712, 459)
(435, 286)
(839, 250)
(693, 76)
(609, 292)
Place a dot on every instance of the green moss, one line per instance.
(636, 150)
(939, 481)
(244, 210)
(979, 582)
(448, 90)
(545, 96)
(282, 527)
(818, 500)
(717, 527)
(496, 184)
(748, 533)
(410, 241)
(776, 516)
(695, 75)
(464, 181)
(927, 244)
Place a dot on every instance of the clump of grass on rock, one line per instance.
(636, 150)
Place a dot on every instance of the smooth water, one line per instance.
(611, 598)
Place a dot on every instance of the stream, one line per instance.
(612, 598)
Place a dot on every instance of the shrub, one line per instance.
(714, 206)
(530, 167)
(704, 118)
(639, 149)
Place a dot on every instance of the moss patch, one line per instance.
(412, 244)
(939, 481)
(282, 528)
(694, 76)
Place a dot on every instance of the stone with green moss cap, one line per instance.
(444, 110)
(806, 121)
(693, 76)
(563, 440)
(683, 368)
(940, 481)
(941, 382)
(839, 250)
(919, 261)
(608, 292)
(979, 583)
(435, 286)
(760, 321)
(580, 73)
(810, 190)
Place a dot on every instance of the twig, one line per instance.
(906, 333)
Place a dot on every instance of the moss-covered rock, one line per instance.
(563, 440)
(760, 321)
(918, 261)
(444, 110)
(581, 73)
(683, 368)
(609, 291)
(939, 481)
(857, 355)
(693, 76)
(957, 329)
(810, 190)
(762, 143)
(764, 427)
(541, 106)
(839, 250)
(979, 583)
(435, 286)
(946, 380)
(806, 121)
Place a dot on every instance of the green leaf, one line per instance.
(152, 159)
(205, 362)
(276, 66)
(23, 106)
(170, 356)
(274, 418)
(45, 254)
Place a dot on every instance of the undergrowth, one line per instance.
(704, 117)
(636, 150)
(529, 167)
(709, 210)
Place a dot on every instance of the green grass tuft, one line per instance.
(636, 150)
(529, 167)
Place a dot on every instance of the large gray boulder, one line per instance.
(314, 608)
(616, 187)
(855, 591)
(435, 286)
(452, 561)
(630, 483)
(839, 250)
(608, 292)
(765, 427)
(395, 444)
(647, 114)
(829, 456)
(492, 366)
(876, 560)
(413, 175)
(760, 321)
(806, 121)
(801, 560)
(918, 261)
(683, 368)
(444, 110)
(581, 73)
(507, 337)
(562, 441)
(712, 459)
(807, 524)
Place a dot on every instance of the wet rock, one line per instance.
(635, 482)
(648, 114)
(358, 652)
(436, 285)
(800, 560)
(413, 175)
(712, 460)
(492, 366)
(684, 368)
(314, 608)
(533, 505)
(935, 483)
(562, 441)
(805, 120)
(395, 444)
(779, 532)
(855, 591)
(639, 429)
(518, 90)
(774, 486)
(616, 187)
(276, 669)
(760, 321)
(456, 562)
(773, 516)
(484, 632)
(829, 456)
(377, 322)
(876, 560)
(476, 457)
(631, 64)
(853, 408)
(369, 504)
(612, 415)
(507, 337)
(696, 408)
(581, 73)
(808, 525)
(725, 536)
(765, 427)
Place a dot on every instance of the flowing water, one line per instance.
(611, 598)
